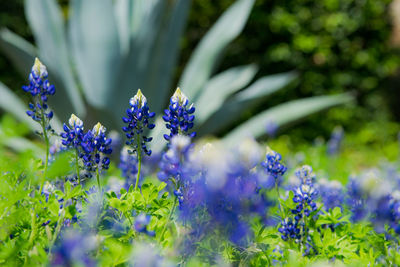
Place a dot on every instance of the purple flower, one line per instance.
(179, 116)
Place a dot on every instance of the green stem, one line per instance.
(46, 140)
(58, 229)
(77, 166)
(169, 218)
(139, 154)
(98, 178)
(129, 218)
(279, 197)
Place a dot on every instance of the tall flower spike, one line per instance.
(96, 147)
(39, 88)
(179, 116)
(137, 120)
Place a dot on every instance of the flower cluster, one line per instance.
(225, 186)
(331, 192)
(39, 88)
(137, 121)
(289, 229)
(92, 147)
(174, 166)
(73, 135)
(95, 145)
(179, 116)
(304, 197)
(272, 164)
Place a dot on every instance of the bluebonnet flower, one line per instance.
(179, 116)
(142, 222)
(137, 121)
(273, 166)
(74, 248)
(39, 88)
(128, 164)
(95, 147)
(290, 229)
(226, 188)
(173, 170)
(72, 136)
(332, 193)
(335, 141)
(304, 195)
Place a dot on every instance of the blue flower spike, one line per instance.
(137, 121)
(40, 89)
(96, 147)
(179, 116)
(72, 138)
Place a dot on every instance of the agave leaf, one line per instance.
(129, 15)
(95, 48)
(244, 101)
(165, 53)
(220, 87)
(134, 66)
(45, 19)
(284, 114)
(19, 51)
(203, 60)
(11, 103)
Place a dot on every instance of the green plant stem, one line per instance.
(129, 218)
(77, 166)
(58, 229)
(169, 218)
(139, 154)
(279, 198)
(98, 178)
(33, 232)
(46, 140)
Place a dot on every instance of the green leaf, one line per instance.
(20, 52)
(204, 58)
(46, 22)
(244, 101)
(220, 87)
(61, 166)
(284, 114)
(95, 47)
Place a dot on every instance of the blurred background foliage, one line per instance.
(336, 45)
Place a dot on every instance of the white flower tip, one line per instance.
(139, 99)
(39, 68)
(75, 121)
(179, 97)
(98, 128)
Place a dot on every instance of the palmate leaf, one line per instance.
(232, 109)
(46, 22)
(284, 114)
(203, 60)
(220, 87)
(95, 48)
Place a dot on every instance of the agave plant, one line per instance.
(107, 49)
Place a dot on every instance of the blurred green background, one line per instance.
(335, 45)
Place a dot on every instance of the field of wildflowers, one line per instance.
(75, 200)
